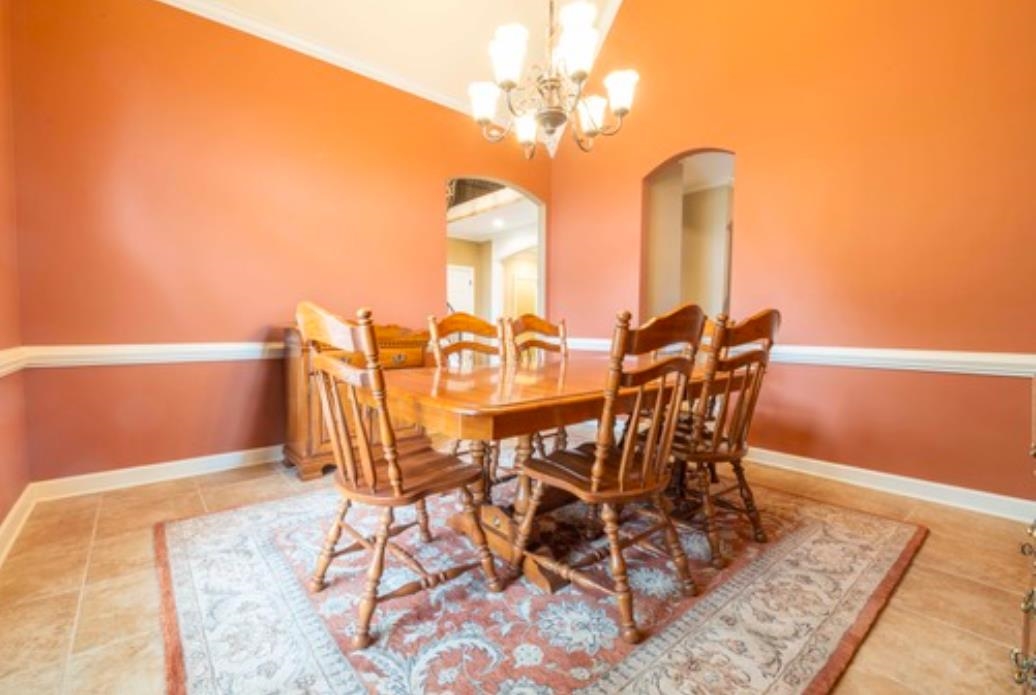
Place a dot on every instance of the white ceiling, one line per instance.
(707, 170)
(517, 214)
(431, 48)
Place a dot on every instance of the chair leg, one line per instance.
(676, 553)
(623, 594)
(479, 536)
(749, 501)
(593, 518)
(454, 447)
(679, 480)
(708, 506)
(422, 520)
(537, 443)
(561, 442)
(525, 529)
(316, 582)
(362, 639)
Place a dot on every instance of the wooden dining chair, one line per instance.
(720, 417)
(528, 339)
(459, 338)
(372, 470)
(638, 471)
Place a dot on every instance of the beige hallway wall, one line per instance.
(705, 248)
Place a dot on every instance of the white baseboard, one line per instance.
(70, 486)
(974, 500)
(963, 498)
(89, 483)
(12, 524)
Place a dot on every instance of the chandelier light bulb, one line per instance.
(620, 85)
(591, 114)
(578, 14)
(525, 128)
(577, 48)
(507, 53)
(484, 96)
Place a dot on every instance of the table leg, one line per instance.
(478, 457)
(499, 527)
(522, 453)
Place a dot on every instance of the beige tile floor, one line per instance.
(79, 599)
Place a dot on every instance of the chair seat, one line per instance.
(571, 470)
(425, 472)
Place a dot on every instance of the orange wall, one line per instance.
(133, 415)
(14, 465)
(10, 331)
(182, 181)
(14, 461)
(883, 198)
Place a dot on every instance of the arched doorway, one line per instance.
(495, 249)
(688, 229)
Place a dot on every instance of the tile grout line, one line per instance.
(928, 565)
(201, 495)
(862, 669)
(950, 625)
(82, 593)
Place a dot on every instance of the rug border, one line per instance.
(175, 673)
(823, 682)
(825, 679)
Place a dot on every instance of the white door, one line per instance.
(460, 288)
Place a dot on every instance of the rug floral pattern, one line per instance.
(770, 622)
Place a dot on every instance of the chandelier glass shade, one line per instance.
(538, 104)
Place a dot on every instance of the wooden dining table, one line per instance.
(489, 403)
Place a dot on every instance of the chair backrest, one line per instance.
(458, 333)
(355, 424)
(660, 385)
(529, 336)
(736, 359)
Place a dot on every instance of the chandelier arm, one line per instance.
(585, 143)
(495, 133)
(571, 108)
(510, 103)
(612, 129)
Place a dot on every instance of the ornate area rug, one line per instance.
(784, 617)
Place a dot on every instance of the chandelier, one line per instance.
(545, 99)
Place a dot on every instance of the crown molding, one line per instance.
(609, 10)
(234, 19)
(249, 25)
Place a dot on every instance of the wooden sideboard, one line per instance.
(308, 447)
